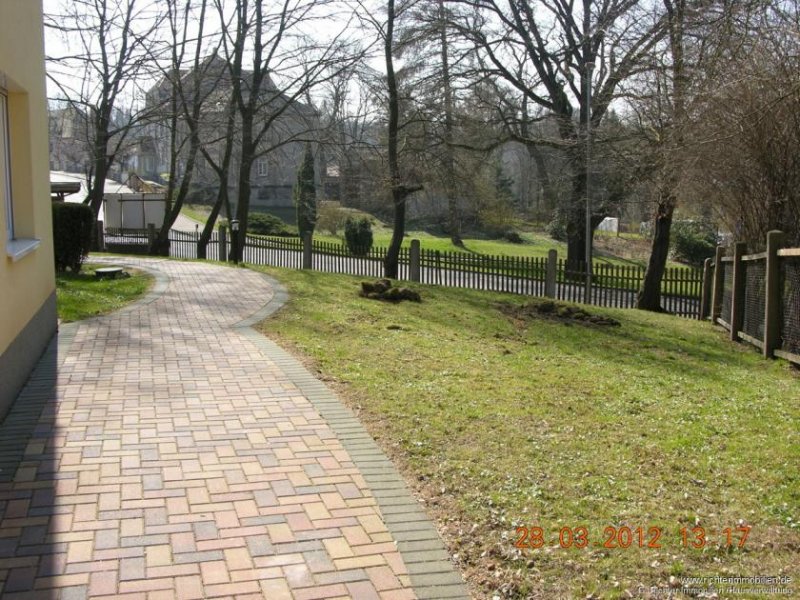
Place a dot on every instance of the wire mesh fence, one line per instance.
(790, 305)
(757, 296)
(754, 298)
(727, 291)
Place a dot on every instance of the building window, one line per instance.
(261, 167)
(5, 165)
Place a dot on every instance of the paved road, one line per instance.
(170, 451)
(184, 223)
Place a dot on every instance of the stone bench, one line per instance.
(108, 272)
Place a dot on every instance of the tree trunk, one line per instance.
(449, 161)
(392, 259)
(391, 264)
(244, 186)
(649, 297)
(101, 168)
(542, 174)
(208, 229)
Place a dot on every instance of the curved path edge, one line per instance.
(433, 576)
(432, 573)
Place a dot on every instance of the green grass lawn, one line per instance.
(198, 212)
(535, 245)
(502, 422)
(82, 295)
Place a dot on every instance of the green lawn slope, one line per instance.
(501, 421)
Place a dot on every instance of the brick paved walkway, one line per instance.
(169, 451)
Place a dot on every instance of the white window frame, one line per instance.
(262, 167)
(17, 247)
(5, 165)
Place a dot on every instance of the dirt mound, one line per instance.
(383, 290)
(550, 309)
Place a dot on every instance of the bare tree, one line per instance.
(399, 189)
(114, 46)
(748, 125)
(426, 45)
(566, 58)
(184, 96)
(672, 89)
(285, 65)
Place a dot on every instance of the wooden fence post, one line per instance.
(223, 243)
(550, 275)
(414, 261)
(772, 294)
(737, 290)
(705, 292)
(718, 285)
(307, 256)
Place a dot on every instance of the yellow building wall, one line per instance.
(27, 283)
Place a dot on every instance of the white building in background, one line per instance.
(123, 207)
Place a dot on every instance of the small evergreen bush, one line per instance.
(266, 224)
(693, 241)
(305, 195)
(72, 234)
(358, 235)
(557, 228)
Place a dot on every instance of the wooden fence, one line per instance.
(613, 286)
(756, 297)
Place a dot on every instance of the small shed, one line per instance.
(609, 224)
(133, 211)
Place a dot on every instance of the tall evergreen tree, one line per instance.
(305, 194)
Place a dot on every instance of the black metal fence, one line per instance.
(612, 285)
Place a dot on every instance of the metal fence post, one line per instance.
(307, 256)
(223, 243)
(718, 284)
(705, 291)
(414, 261)
(737, 290)
(772, 294)
(550, 275)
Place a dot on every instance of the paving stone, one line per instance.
(175, 452)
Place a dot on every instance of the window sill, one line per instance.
(20, 247)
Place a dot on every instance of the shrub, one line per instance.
(557, 229)
(72, 234)
(513, 237)
(358, 235)
(331, 217)
(693, 241)
(496, 218)
(305, 194)
(266, 224)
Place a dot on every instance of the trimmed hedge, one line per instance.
(72, 234)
